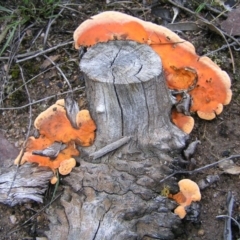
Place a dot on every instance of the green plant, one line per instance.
(26, 13)
(202, 5)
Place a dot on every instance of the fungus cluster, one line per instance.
(185, 71)
(188, 192)
(55, 146)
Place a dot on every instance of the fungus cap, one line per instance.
(185, 123)
(180, 211)
(190, 190)
(108, 26)
(66, 166)
(54, 180)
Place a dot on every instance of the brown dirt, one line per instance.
(219, 137)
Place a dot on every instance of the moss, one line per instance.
(31, 69)
(165, 191)
(17, 98)
(15, 72)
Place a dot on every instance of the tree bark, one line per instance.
(115, 192)
(128, 96)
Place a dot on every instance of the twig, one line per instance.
(35, 38)
(109, 148)
(15, 47)
(222, 48)
(227, 234)
(231, 218)
(49, 26)
(43, 99)
(227, 228)
(204, 136)
(65, 5)
(41, 52)
(29, 100)
(200, 169)
(60, 70)
(50, 22)
(3, 80)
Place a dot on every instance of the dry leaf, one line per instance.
(228, 166)
(46, 63)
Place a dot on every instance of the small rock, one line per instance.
(16, 144)
(191, 149)
(13, 219)
(215, 194)
(201, 232)
(206, 182)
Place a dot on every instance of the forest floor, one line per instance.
(27, 76)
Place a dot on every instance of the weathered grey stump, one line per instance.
(115, 192)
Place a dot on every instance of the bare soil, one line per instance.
(219, 137)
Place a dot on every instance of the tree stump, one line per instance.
(115, 192)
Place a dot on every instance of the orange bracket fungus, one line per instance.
(56, 144)
(66, 166)
(188, 192)
(185, 71)
(54, 124)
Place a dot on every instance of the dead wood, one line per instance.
(30, 183)
(116, 195)
(18, 185)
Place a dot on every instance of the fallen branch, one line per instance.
(109, 148)
(39, 53)
(233, 44)
(227, 234)
(41, 100)
(60, 70)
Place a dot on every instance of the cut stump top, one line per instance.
(116, 59)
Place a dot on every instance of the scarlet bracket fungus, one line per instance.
(185, 123)
(180, 211)
(188, 192)
(182, 66)
(109, 26)
(66, 166)
(54, 125)
(56, 144)
(54, 179)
